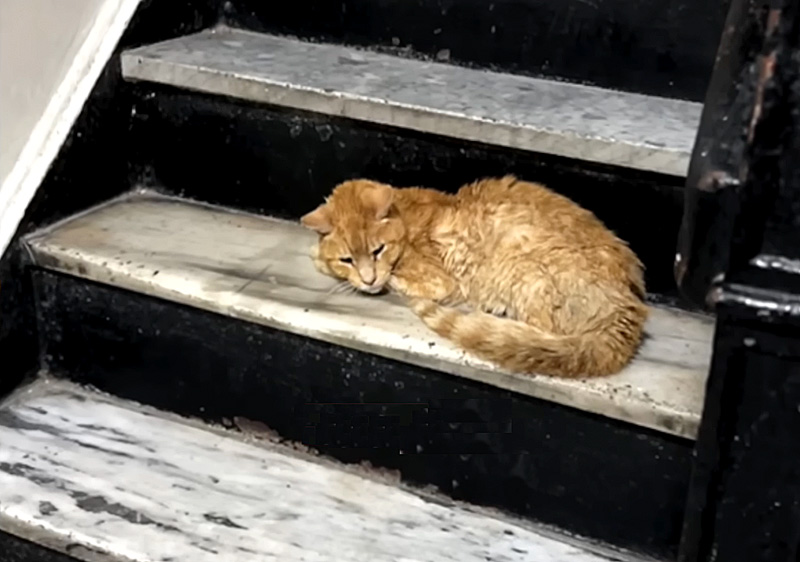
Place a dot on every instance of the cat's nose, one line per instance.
(367, 275)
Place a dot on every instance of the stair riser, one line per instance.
(651, 46)
(282, 163)
(15, 549)
(584, 473)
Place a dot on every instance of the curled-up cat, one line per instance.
(550, 288)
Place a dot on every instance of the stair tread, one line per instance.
(571, 120)
(84, 474)
(258, 269)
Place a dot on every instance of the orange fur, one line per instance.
(551, 289)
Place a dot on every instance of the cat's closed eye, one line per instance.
(377, 251)
(346, 260)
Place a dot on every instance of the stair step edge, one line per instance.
(258, 269)
(546, 116)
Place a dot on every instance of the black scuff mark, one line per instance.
(99, 504)
(102, 429)
(47, 508)
(128, 441)
(222, 520)
(94, 447)
(287, 516)
(349, 505)
(115, 435)
(14, 421)
(23, 470)
(84, 552)
(120, 454)
(37, 410)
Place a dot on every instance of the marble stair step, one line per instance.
(258, 269)
(544, 116)
(105, 480)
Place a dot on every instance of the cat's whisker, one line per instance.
(341, 288)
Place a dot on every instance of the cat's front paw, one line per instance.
(397, 285)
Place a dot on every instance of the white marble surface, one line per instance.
(258, 269)
(104, 482)
(572, 120)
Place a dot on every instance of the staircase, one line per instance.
(202, 393)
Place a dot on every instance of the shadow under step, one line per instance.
(98, 479)
(545, 116)
(214, 313)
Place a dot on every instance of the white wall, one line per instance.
(51, 54)
(38, 40)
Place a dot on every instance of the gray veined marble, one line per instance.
(258, 269)
(576, 121)
(107, 483)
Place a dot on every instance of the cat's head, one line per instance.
(361, 238)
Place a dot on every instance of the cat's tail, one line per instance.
(603, 349)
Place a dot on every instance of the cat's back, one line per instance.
(506, 221)
(511, 204)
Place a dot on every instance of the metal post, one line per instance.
(740, 253)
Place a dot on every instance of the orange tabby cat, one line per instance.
(552, 290)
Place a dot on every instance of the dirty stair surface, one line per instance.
(103, 480)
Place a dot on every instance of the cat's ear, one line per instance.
(319, 220)
(378, 198)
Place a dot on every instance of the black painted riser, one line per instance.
(282, 162)
(586, 474)
(15, 549)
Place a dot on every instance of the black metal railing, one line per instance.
(739, 253)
